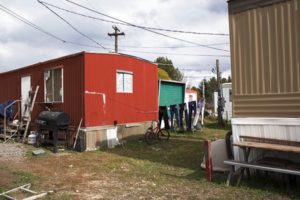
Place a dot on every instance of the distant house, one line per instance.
(227, 95)
(114, 94)
(190, 95)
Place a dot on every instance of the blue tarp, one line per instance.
(9, 111)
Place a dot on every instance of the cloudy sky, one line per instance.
(22, 45)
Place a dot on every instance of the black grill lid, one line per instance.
(53, 118)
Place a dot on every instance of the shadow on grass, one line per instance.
(181, 153)
(178, 153)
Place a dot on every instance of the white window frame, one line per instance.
(122, 72)
(62, 85)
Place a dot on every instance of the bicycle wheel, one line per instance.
(164, 134)
(150, 137)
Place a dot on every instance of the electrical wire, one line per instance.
(73, 27)
(115, 22)
(170, 47)
(177, 54)
(147, 27)
(20, 18)
(137, 26)
(24, 20)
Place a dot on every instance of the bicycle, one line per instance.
(155, 133)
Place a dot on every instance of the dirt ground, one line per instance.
(136, 171)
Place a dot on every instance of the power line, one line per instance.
(177, 54)
(170, 47)
(15, 15)
(20, 18)
(146, 29)
(24, 20)
(73, 27)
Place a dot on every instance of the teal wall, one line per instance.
(171, 93)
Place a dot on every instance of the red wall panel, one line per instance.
(95, 73)
(10, 85)
(100, 78)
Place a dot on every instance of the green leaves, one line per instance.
(167, 65)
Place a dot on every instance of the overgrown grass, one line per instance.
(166, 166)
(180, 158)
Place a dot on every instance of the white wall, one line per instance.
(271, 128)
(227, 114)
(190, 97)
(215, 99)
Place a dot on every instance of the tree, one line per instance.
(229, 79)
(167, 65)
(223, 80)
(210, 87)
(162, 74)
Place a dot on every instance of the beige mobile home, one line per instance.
(265, 57)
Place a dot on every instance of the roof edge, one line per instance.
(237, 6)
(171, 81)
(73, 55)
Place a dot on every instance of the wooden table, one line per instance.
(272, 145)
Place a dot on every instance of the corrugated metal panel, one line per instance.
(236, 6)
(171, 93)
(272, 128)
(72, 85)
(265, 48)
(100, 82)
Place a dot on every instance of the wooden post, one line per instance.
(208, 159)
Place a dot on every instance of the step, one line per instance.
(11, 131)
(4, 136)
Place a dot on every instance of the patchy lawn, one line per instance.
(166, 170)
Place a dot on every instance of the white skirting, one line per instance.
(273, 128)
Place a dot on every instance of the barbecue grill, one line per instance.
(50, 124)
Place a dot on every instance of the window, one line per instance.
(124, 82)
(53, 85)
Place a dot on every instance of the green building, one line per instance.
(171, 92)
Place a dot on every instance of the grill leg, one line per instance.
(55, 135)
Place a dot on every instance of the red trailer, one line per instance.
(112, 93)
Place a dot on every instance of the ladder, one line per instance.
(26, 115)
(24, 189)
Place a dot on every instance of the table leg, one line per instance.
(240, 176)
(230, 175)
(246, 158)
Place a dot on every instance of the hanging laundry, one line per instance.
(163, 115)
(174, 113)
(183, 109)
(198, 111)
(192, 112)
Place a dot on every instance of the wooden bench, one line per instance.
(247, 143)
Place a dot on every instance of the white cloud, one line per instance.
(29, 45)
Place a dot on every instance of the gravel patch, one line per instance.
(12, 152)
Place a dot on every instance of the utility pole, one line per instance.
(220, 96)
(203, 89)
(203, 103)
(116, 34)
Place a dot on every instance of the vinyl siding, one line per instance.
(265, 48)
